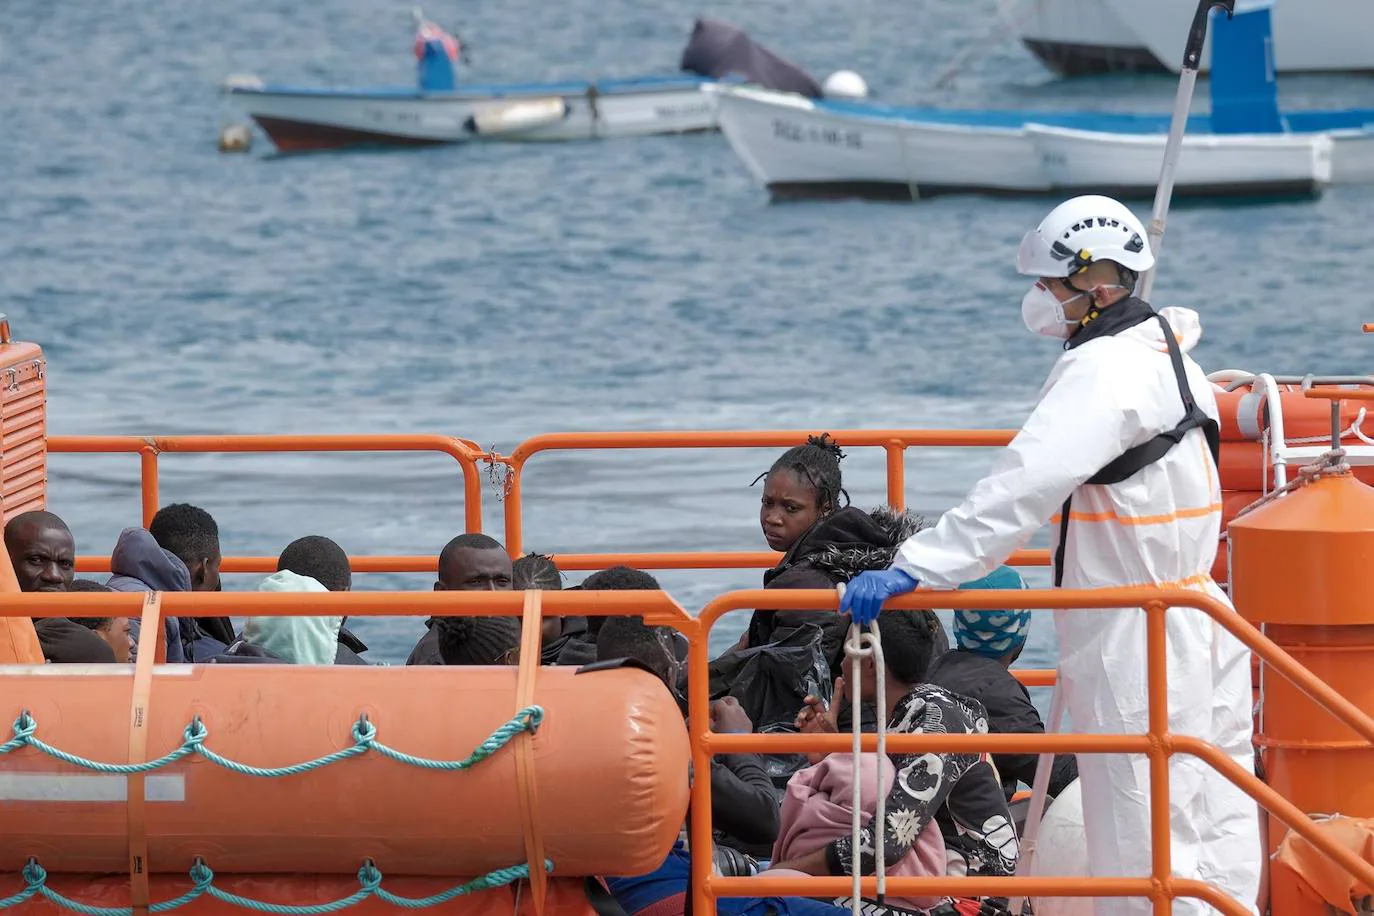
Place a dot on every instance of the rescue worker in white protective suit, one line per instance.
(1125, 452)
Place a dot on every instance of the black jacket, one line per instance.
(836, 549)
(744, 807)
(63, 641)
(574, 646)
(350, 649)
(1009, 710)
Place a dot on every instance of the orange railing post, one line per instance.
(512, 506)
(896, 474)
(1157, 704)
(148, 480)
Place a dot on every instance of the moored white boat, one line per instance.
(300, 118)
(1077, 37)
(1211, 165)
(801, 147)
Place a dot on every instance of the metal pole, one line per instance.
(1039, 793)
(1183, 104)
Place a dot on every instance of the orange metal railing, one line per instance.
(659, 609)
(1158, 744)
(148, 448)
(893, 442)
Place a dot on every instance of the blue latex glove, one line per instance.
(864, 595)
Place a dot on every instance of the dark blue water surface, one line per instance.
(496, 292)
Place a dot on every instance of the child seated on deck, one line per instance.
(742, 801)
(989, 642)
(960, 792)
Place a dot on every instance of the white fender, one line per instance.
(517, 117)
(1062, 852)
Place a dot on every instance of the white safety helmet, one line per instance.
(844, 84)
(1080, 232)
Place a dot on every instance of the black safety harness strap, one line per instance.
(1138, 457)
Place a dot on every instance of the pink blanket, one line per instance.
(816, 810)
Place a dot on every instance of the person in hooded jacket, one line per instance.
(823, 543)
(325, 561)
(192, 534)
(988, 644)
(72, 641)
(295, 640)
(138, 564)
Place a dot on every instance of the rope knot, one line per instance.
(858, 643)
(530, 718)
(24, 726)
(364, 732)
(201, 875)
(369, 876)
(34, 874)
(195, 734)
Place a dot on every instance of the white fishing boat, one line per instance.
(438, 109)
(302, 118)
(1079, 37)
(1246, 146)
(1211, 165)
(799, 147)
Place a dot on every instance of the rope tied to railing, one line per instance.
(202, 878)
(500, 473)
(859, 645)
(1328, 464)
(193, 739)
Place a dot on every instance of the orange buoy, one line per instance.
(610, 771)
(1244, 465)
(1244, 416)
(1300, 565)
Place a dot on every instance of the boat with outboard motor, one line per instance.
(1246, 146)
(440, 110)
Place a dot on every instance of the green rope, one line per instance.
(24, 727)
(369, 881)
(193, 742)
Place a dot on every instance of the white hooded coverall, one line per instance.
(1158, 527)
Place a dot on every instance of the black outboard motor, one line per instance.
(718, 49)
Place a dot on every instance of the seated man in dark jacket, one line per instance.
(988, 643)
(742, 800)
(743, 805)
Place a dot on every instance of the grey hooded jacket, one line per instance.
(138, 564)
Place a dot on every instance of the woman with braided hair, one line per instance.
(823, 541)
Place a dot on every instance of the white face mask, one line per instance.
(1043, 313)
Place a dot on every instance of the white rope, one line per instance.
(859, 645)
(1331, 462)
(1353, 430)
